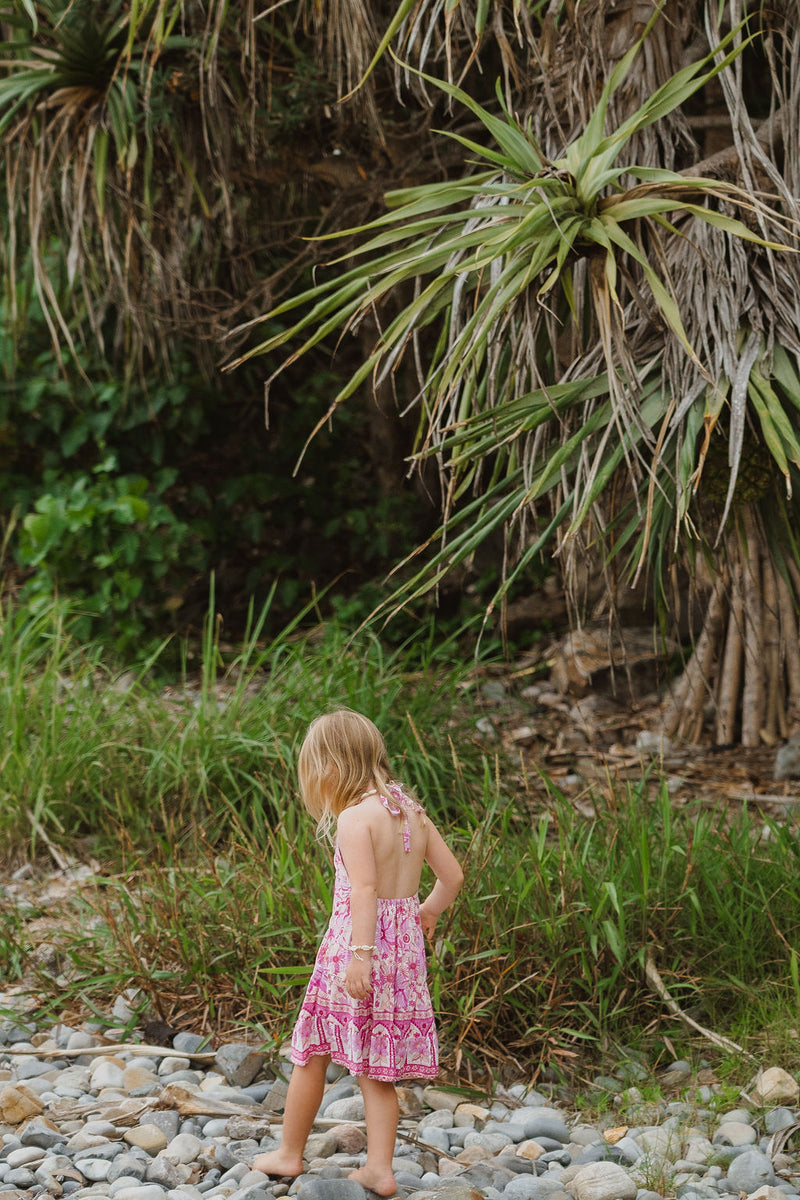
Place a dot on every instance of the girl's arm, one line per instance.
(355, 844)
(449, 878)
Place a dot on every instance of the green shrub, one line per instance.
(110, 542)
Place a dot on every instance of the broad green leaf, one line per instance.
(507, 133)
(100, 169)
(593, 134)
(769, 431)
(733, 226)
(30, 9)
(785, 372)
(662, 296)
(777, 415)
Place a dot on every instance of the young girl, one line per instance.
(367, 1006)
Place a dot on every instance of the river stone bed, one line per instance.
(184, 1123)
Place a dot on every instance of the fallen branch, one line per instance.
(173, 1096)
(98, 1051)
(658, 985)
(196, 1104)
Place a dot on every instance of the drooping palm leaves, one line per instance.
(134, 135)
(557, 355)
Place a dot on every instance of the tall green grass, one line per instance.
(214, 891)
(125, 762)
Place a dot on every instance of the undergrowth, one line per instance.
(212, 891)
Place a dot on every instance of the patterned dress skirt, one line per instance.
(390, 1034)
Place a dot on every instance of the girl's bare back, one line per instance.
(376, 827)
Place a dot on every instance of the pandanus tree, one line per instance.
(596, 320)
(157, 168)
(606, 337)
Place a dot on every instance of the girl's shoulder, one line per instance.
(404, 798)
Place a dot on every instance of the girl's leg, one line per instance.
(381, 1111)
(306, 1085)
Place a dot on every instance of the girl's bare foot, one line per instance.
(381, 1182)
(277, 1162)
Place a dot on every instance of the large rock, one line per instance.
(246, 1127)
(320, 1145)
(239, 1063)
(603, 1181)
(775, 1086)
(41, 1133)
(435, 1098)
(350, 1139)
(349, 1108)
(18, 1104)
(147, 1137)
(534, 1187)
(735, 1133)
(168, 1174)
(750, 1171)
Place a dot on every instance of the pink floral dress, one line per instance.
(390, 1034)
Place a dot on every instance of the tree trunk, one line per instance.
(746, 660)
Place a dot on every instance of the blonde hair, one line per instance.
(343, 756)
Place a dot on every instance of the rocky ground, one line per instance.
(85, 1116)
(589, 743)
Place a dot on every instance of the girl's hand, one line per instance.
(427, 920)
(358, 976)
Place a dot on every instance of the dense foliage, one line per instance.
(573, 379)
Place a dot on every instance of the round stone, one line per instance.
(107, 1074)
(142, 1191)
(185, 1148)
(750, 1171)
(330, 1189)
(149, 1137)
(173, 1063)
(136, 1076)
(441, 1118)
(435, 1098)
(512, 1130)
(493, 1142)
(432, 1135)
(775, 1086)
(350, 1108)
(523, 1187)
(777, 1119)
(350, 1139)
(188, 1043)
(25, 1155)
(603, 1181)
(80, 1040)
(127, 1166)
(735, 1133)
(94, 1169)
(20, 1177)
